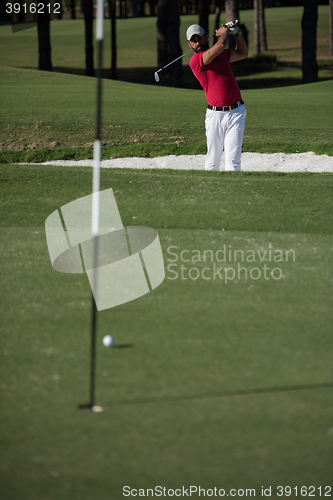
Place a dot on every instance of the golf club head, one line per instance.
(156, 75)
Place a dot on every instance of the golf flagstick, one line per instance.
(95, 218)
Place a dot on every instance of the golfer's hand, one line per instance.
(223, 32)
(230, 24)
(234, 30)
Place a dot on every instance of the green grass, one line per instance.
(137, 58)
(209, 384)
(49, 116)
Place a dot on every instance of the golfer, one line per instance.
(225, 115)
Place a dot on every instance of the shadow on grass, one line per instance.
(145, 76)
(246, 392)
(245, 72)
(122, 346)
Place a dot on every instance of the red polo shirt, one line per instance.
(217, 79)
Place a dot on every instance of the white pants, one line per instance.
(225, 129)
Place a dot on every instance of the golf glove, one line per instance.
(234, 30)
(232, 27)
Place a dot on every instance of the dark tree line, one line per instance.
(168, 24)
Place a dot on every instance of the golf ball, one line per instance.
(108, 340)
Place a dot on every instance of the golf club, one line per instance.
(157, 77)
(230, 24)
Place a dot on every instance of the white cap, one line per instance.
(195, 29)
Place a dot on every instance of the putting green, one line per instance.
(223, 382)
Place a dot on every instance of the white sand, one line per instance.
(251, 162)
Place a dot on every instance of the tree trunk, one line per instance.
(112, 15)
(309, 41)
(44, 43)
(331, 26)
(188, 7)
(20, 14)
(88, 21)
(232, 14)
(260, 40)
(72, 7)
(142, 8)
(135, 8)
(256, 31)
(175, 49)
(61, 12)
(231, 10)
(162, 26)
(4, 15)
(262, 26)
(203, 11)
(168, 45)
(218, 9)
(123, 8)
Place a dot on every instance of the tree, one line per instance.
(152, 7)
(260, 40)
(88, 22)
(231, 10)
(142, 8)
(232, 14)
(122, 9)
(138, 8)
(135, 8)
(168, 45)
(262, 26)
(4, 15)
(112, 15)
(218, 9)
(309, 41)
(203, 11)
(44, 43)
(331, 26)
(72, 7)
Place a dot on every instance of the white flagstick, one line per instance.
(95, 217)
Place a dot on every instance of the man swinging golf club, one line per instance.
(225, 115)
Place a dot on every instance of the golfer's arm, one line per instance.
(240, 52)
(209, 55)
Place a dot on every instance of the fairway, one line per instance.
(49, 116)
(221, 377)
(215, 380)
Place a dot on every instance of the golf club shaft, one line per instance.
(174, 60)
(179, 57)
